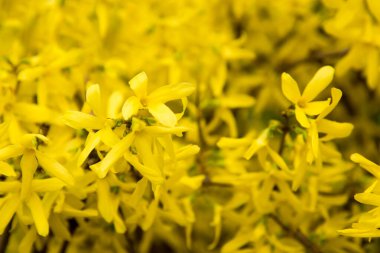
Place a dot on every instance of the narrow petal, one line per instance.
(40, 220)
(10, 152)
(93, 98)
(163, 114)
(115, 102)
(150, 215)
(7, 210)
(47, 185)
(371, 167)
(171, 92)
(7, 170)
(27, 241)
(105, 200)
(334, 129)
(315, 108)
(131, 107)
(34, 113)
(54, 168)
(139, 84)
(155, 176)
(318, 83)
(101, 168)
(79, 120)
(301, 117)
(28, 167)
(290, 88)
(368, 198)
(93, 139)
(336, 95)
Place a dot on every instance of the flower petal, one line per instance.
(7, 170)
(171, 92)
(79, 120)
(101, 168)
(131, 107)
(336, 95)
(37, 210)
(334, 129)
(54, 168)
(371, 167)
(28, 167)
(93, 98)
(316, 107)
(290, 88)
(93, 139)
(10, 152)
(163, 114)
(105, 200)
(319, 82)
(7, 210)
(301, 117)
(139, 84)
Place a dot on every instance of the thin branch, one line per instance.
(298, 235)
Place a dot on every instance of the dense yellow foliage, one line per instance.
(230, 126)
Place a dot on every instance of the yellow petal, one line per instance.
(368, 198)
(7, 170)
(301, 117)
(364, 233)
(334, 129)
(374, 7)
(171, 92)
(131, 107)
(105, 200)
(7, 210)
(163, 114)
(34, 113)
(336, 95)
(30, 74)
(138, 193)
(28, 167)
(315, 108)
(101, 168)
(318, 83)
(290, 88)
(9, 186)
(93, 98)
(115, 102)
(79, 120)
(278, 159)
(155, 176)
(27, 241)
(10, 152)
(371, 167)
(216, 222)
(47, 185)
(40, 220)
(93, 139)
(139, 84)
(150, 215)
(54, 168)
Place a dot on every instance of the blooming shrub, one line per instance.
(189, 126)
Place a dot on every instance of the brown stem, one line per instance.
(298, 235)
(4, 238)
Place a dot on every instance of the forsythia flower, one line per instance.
(303, 103)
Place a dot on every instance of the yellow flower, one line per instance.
(302, 103)
(155, 101)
